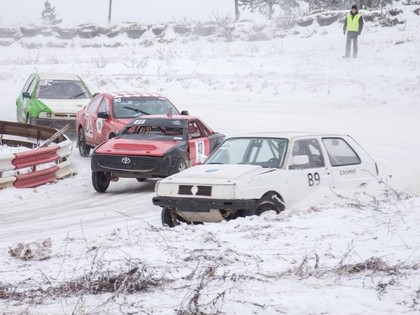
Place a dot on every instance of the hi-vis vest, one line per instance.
(353, 22)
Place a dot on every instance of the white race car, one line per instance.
(251, 174)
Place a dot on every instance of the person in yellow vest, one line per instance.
(353, 25)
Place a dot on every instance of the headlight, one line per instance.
(45, 115)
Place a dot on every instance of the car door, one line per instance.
(198, 143)
(309, 178)
(29, 98)
(100, 127)
(21, 102)
(346, 164)
(89, 117)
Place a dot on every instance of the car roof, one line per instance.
(118, 94)
(57, 76)
(289, 134)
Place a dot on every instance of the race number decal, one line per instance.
(199, 151)
(99, 125)
(314, 179)
(139, 122)
(88, 126)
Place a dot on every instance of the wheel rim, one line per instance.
(182, 166)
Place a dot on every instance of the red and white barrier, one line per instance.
(35, 167)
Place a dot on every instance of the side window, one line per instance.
(206, 132)
(32, 86)
(104, 107)
(310, 148)
(193, 130)
(94, 105)
(28, 83)
(340, 152)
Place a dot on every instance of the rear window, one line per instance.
(340, 152)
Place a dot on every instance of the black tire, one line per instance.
(180, 165)
(84, 149)
(100, 181)
(269, 202)
(140, 179)
(168, 219)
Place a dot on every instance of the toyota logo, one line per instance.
(125, 160)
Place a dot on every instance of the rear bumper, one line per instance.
(204, 204)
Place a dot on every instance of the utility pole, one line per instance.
(236, 10)
(109, 11)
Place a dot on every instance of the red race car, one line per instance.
(108, 113)
(153, 146)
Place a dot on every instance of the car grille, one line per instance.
(129, 163)
(200, 190)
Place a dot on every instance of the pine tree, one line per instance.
(48, 15)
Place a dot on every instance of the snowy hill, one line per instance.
(109, 253)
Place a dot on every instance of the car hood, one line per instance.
(64, 106)
(120, 146)
(217, 174)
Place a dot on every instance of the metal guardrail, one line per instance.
(46, 160)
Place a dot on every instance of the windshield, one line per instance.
(62, 89)
(156, 129)
(128, 107)
(266, 152)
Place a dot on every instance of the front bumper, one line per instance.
(204, 204)
(132, 166)
(54, 123)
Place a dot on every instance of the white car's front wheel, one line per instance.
(269, 202)
(168, 218)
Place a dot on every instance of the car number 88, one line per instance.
(314, 179)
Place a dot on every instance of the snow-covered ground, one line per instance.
(352, 258)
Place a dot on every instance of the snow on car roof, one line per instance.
(289, 134)
(133, 94)
(58, 76)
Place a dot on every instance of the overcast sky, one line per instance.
(73, 12)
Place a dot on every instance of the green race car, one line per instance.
(52, 100)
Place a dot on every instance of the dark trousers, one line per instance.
(351, 36)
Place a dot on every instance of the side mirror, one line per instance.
(26, 95)
(185, 112)
(300, 160)
(103, 115)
